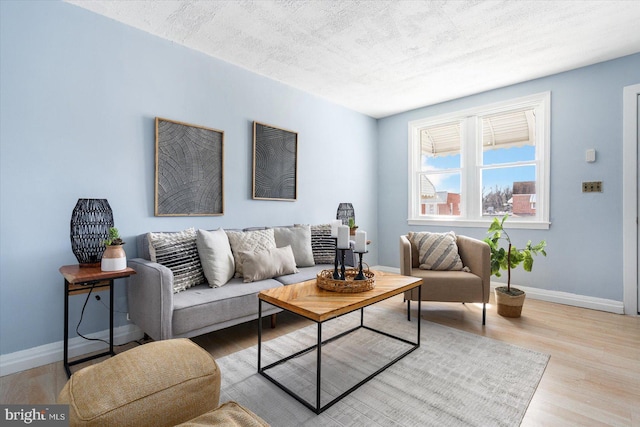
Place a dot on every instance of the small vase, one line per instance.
(114, 258)
(509, 305)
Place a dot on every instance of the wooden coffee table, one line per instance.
(306, 299)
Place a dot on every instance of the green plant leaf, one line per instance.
(499, 258)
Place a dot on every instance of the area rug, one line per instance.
(454, 379)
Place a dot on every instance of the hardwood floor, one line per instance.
(593, 377)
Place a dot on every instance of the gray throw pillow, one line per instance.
(268, 263)
(254, 240)
(178, 251)
(215, 256)
(437, 251)
(299, 238)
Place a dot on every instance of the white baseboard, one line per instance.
(559, 297)
(54, 352)
(567, 298)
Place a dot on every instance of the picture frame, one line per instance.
(189, 170)
(275, 163)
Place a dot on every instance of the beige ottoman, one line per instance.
(162, 383)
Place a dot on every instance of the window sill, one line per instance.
(484, 223)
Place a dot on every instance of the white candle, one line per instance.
(343, 237)
(334, 227)
(361, 241)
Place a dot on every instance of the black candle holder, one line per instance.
(342, 268)
(339, 274)
(360, 275)
(336, 274)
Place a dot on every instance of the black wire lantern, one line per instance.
(346, 212)
(90, 223)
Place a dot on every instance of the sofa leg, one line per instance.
(484, 313)
(409, 310)
(273, 321)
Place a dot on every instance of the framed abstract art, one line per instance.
(189, 169)
(275, 163)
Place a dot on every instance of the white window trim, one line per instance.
(469, 218)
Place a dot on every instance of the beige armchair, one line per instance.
(163, 383)
(450, 286)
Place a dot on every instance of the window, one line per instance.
(470, 166)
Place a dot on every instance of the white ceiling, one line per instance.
(384, 57)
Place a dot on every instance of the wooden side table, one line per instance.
(80, 280)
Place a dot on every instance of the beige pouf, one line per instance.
(162, 383)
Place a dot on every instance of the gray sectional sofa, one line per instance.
(162, 313)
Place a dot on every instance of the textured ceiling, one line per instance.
(384, 57)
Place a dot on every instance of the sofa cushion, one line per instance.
(303, 274)
(266, 264)
(179, 252)
(453, 286)
(299, 238)
(322, 244)
(254, 240)
(437, 251)
(215, 256)
(203, 306)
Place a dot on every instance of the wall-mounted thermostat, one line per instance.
(591, 155)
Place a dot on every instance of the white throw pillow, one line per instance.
(268, 263)
(178, 251)
(253, 240)
(215, 256)
(437, 251)
(299, 238)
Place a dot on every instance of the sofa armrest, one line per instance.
(150, 297)
(405, 256)
(476, 255)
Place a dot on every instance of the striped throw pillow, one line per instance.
(437, 251)
(323, 245)
(178, 251)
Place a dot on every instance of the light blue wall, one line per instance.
(585, 238)
(78, 90)
(79, 93)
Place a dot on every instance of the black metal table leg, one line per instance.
(259, 334)
(319, 369)
(66, 328)
(111, 293)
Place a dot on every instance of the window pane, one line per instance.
(507, 155)
(440, 194)
(440, 146)
(508, 137)
(509, 190)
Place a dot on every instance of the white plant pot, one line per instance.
(113, 259)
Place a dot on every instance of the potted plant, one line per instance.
(352, 226)
(509, 300)
(114, 257)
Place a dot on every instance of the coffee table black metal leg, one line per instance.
(259, 333)
(419, 316)
(319, 368)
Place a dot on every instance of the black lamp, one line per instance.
(345, 212)
(90, 223)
